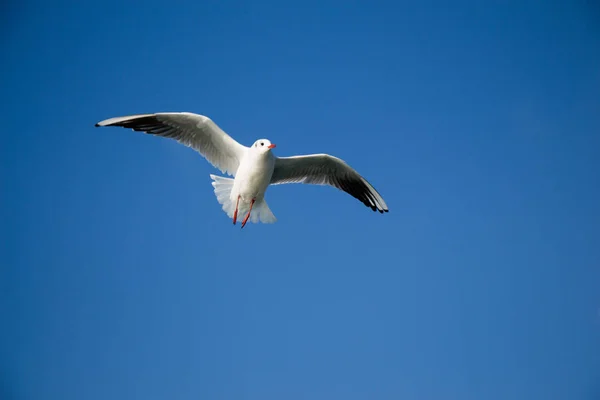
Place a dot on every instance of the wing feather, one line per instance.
(193, 130)
(323, 169)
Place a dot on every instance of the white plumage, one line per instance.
(253, 168)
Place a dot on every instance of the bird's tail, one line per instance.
(260, 210)
(262, 213)
(223, 188)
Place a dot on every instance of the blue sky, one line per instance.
(478, 123)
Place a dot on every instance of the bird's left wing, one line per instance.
(193, 130)
(323, 169)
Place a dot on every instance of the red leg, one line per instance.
(248, 215)
(236, 210)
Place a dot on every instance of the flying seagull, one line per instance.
(253, 168)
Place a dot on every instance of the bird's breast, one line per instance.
(253, 177)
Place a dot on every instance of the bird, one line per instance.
(253, 168)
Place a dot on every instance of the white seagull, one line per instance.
(254, 168)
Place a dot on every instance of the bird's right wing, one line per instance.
(323, 169)
(193, 130)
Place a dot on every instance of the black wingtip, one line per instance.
(96, 125)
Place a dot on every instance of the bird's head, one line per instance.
(262, 146)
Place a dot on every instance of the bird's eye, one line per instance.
(262, 144)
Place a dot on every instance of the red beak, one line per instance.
(272, 145)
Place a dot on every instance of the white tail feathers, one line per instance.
(261, 213)
(260, 210)
(223, 188)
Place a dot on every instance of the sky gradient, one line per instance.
(121, 277)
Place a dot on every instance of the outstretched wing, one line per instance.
(323, 169)
(193, 130)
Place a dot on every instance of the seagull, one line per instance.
(254, 168)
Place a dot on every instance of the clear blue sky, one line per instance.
(479, 123)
